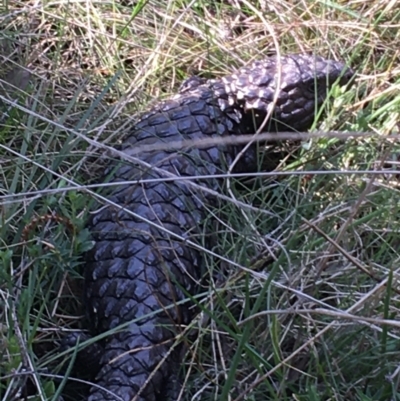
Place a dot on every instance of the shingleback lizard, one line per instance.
(137, 265)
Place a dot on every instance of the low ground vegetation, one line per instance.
(309, 309)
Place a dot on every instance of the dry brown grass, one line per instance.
(315, 317)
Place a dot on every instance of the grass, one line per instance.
(308, 307)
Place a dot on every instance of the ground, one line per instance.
(308, 308)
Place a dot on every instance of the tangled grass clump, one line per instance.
(308, 307)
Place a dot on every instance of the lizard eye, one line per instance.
(311, 87)
(316, 88)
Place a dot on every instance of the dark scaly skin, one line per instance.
(137, 268)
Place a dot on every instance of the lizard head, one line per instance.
(300, 83)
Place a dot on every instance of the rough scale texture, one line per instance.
(137, 267)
